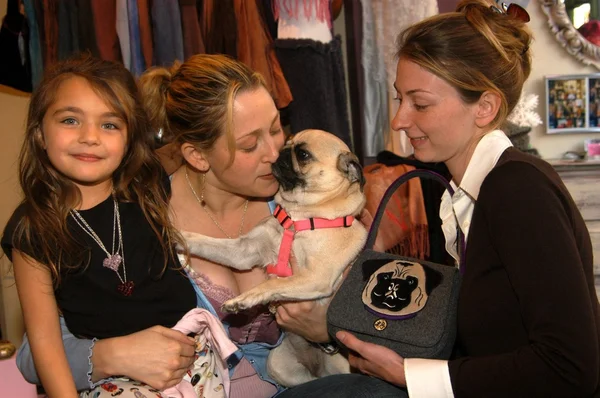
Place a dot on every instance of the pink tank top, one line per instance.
(253, 325)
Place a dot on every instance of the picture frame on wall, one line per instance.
(573, 103)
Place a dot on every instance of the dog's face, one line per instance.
(397, 288)
(315, 169)
(392, 293)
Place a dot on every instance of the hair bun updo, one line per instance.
(475, 49)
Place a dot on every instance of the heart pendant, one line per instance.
(113, 262)
(126, 288)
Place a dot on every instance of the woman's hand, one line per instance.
(157, 356)
(374, 360)
(305, 318)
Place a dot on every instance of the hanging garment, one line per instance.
(105, 24)
(166, 30)
(51, 32)
(375, 101)
(266, 11)
(123, 32)
(15, 68)
(35, 45)
(392, 17)
(222, 36)
(137, 58)
(205, 13)
(86, 29)
(255, 49)
(303, 19)
(193, 42)
(68, 31)
(146, 32)
(315, 74)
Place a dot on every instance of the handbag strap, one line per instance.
(428, 174)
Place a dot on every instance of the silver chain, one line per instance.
(203, 205)
(116, 228)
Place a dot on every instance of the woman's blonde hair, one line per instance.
(49, 195)
(475, 49)
(192, 102)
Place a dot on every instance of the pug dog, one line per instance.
(320, 179)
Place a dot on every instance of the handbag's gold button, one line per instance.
(380, 324)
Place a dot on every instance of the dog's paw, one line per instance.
(246, 300)
(189, 236)
(230, 306)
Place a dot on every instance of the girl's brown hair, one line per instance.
(193, 102)
(475, 49)
(49, 196)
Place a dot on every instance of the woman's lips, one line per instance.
(418, 141)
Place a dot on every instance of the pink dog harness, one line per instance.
(283, 268)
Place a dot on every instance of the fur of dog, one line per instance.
(319, 178)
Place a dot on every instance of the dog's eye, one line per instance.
(301, 154)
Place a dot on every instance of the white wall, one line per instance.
(550, 58)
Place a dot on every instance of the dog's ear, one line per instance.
(370, 266)
(348, 164)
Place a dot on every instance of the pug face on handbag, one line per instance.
(397, 289)
(320, 193)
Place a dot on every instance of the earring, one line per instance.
(202, 202)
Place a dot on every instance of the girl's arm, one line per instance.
(78, 352)
(157, 356)
(40, 312)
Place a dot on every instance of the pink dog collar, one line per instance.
(283, 268)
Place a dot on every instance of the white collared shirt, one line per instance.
(428, 378)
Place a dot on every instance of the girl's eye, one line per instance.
(420, 107)
(110, 126)
(277, 131)
(69, 120)
(398, 98)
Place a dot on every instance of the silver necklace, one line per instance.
(203, 205)
(115, 258)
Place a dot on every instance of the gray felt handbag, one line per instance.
(405, 304)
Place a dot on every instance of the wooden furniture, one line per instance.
(582, 179)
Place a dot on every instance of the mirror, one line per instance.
(576, 24)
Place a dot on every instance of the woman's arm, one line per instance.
(40, 312)
(545, 252)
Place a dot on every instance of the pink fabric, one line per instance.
(12, 383)
(202, 321)
(245, 382)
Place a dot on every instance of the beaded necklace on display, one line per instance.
(115, 258)
(208, 212)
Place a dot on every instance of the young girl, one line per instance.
(92, 240)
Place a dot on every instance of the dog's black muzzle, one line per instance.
(284, 172)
